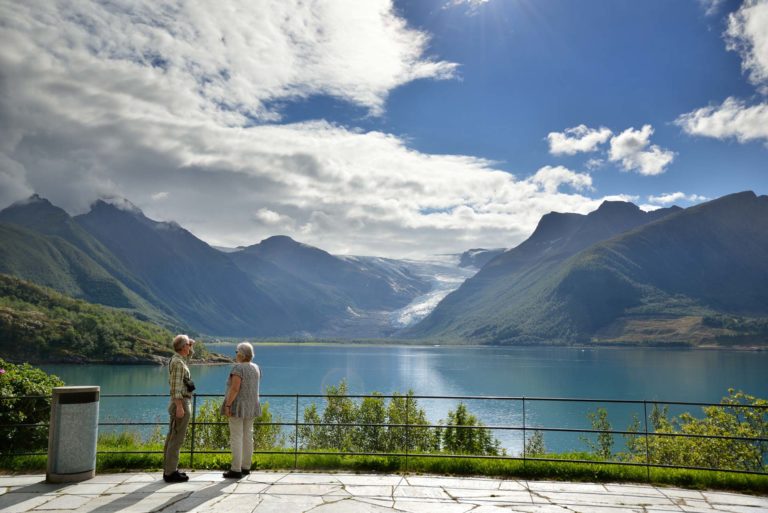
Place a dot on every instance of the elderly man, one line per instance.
(179, 409)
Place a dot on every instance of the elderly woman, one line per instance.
(241, 405)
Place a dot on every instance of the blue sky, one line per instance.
(390, 128)
(531, 67)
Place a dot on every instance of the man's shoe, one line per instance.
(232, 474)
(245, 471)
(175, 477)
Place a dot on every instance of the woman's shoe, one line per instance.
(232, 474)
(175, 477)
(245, 471)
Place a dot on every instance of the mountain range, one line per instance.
(615, 275)
(116, 256)
(619, 275)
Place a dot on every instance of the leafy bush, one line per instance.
(214, 434)
(24, 380)
(734, 418)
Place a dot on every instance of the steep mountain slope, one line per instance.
(358, 282)
(55, 263)
(509, 299)
(711, 259)
(83, 267)
(198, 283)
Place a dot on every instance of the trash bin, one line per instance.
(72, 434)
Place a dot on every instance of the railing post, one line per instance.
(524, 439)
(194, 421)
(647, 449)
(296, 436)
(407, 430)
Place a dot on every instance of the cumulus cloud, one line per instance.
(747, 34)
(633, 150)
(550, 179)
(732, 119)
(672, 197)
(577, 140)
(98, 99)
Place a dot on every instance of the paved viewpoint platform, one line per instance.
(296, 492)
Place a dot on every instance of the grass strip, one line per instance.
(452, 466)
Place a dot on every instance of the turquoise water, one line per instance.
(627, 374)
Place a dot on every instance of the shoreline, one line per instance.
(218, 359)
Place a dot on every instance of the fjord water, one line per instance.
(606, 373)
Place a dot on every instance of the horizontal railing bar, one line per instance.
(453, 397)
(491, 427)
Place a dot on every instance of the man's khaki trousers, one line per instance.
(177, 429)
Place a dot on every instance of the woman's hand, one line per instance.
(234, 389)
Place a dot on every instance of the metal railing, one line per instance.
(524, 427)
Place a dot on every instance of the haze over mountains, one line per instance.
(116, 256)
(616, 275)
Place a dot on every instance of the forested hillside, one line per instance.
(40, 325)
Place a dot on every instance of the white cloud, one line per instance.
(550, 179)
(732, 119)
(711, 7)
(577, 139)
(159, 196)
(472, 6)
(271, 218)
(633, 150)
(101, 100)
(672, 197)
(747, 33)
(235, 58)
(594, 163)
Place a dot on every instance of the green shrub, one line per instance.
(733, 419)
(24, 380)
(214, 433)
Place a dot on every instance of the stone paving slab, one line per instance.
(302, 492)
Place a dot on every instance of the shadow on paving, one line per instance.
(191, 498)
(22, 494)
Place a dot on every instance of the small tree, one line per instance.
(604, 446)
(534, 446)
(464, 434)
(371, 438)
(404, 409)
(329, 430)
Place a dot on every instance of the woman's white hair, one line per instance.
(245, 349)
